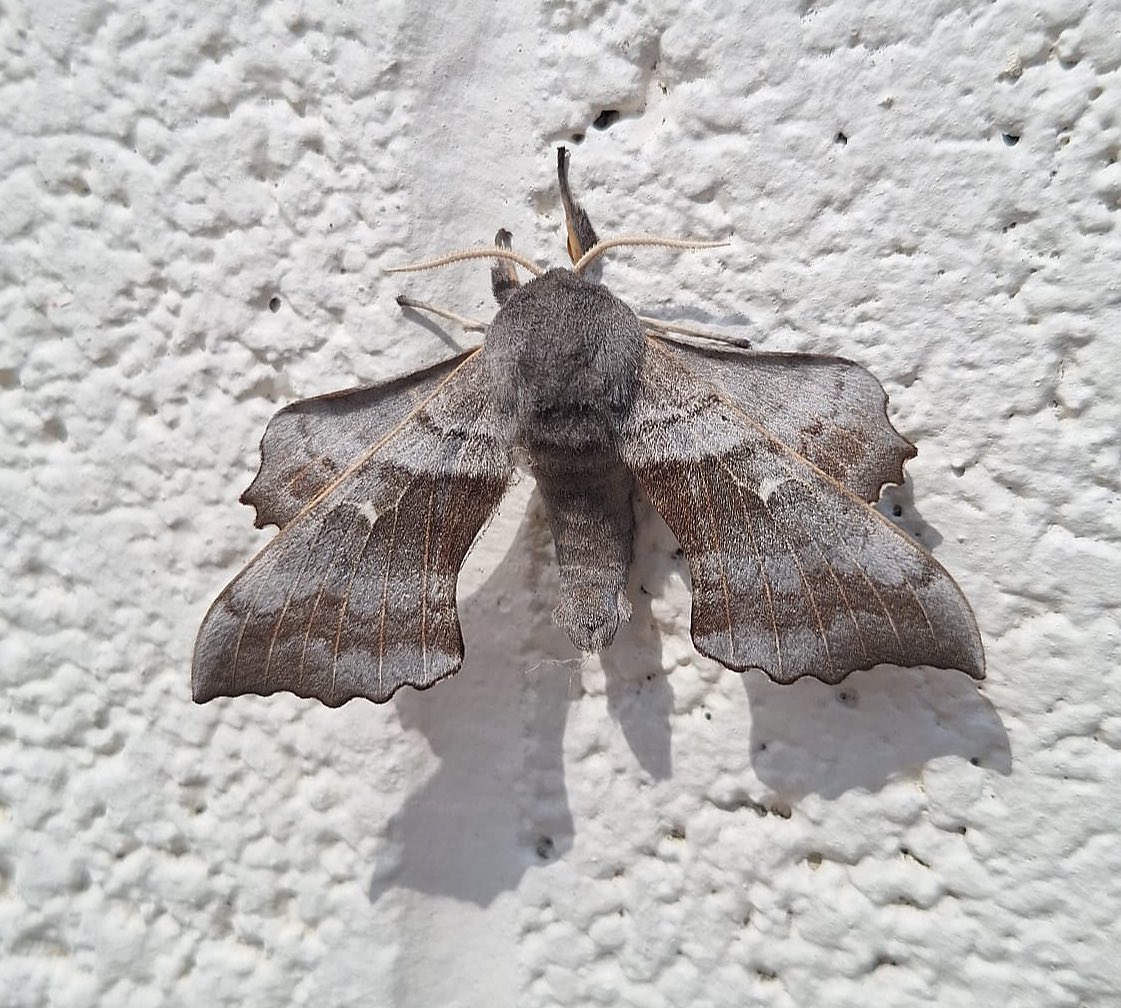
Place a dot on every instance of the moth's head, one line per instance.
(584, 246)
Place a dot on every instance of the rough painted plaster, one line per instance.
(932, 190)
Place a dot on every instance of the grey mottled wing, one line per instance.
(829, 410)
(356, 594)
(309, 443)
(792, 573)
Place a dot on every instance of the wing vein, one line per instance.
(768, 589)
(809, 592)
(875, 591)
(288, 598)
(307, 635)
(424, 584)
(344, 602)
(840, 586)
(392, 542)
(723, 567)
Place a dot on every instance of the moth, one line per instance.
(764, 465)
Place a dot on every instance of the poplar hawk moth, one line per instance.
(764, 466)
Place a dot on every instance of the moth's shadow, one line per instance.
(639, 696)
(813, 738)
(496, 803)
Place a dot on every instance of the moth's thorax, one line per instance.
(563, 358)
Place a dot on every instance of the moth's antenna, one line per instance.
(481, 253)
(681, 243)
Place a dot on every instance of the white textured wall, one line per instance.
(652, 830)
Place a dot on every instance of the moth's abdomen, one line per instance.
(588, 501)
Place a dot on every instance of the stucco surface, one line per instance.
(196, 206)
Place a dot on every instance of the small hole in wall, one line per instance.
(1010, 139)
(544, 847)
(577, 138)
(841, 139)
(55, 429)
(606, 119)
(896, 511)
(274, 304)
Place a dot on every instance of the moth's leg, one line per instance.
(503, 274)
(673, 331)
(467, 324)
(581, 234)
